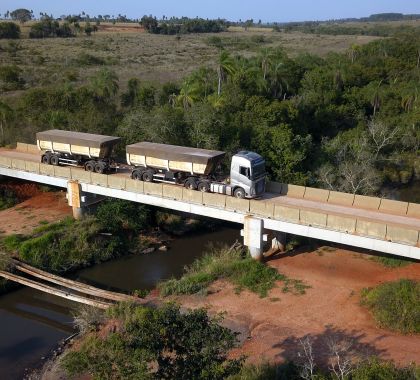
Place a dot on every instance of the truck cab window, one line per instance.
(244, 171)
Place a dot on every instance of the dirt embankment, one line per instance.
(35, 208)
(329, 309)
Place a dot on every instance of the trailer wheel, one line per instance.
(137, 175)
(148, 176)
(99, 168)
(204, 187)
(45, 159)
(239, 193)
(54, 160)
(191, 184)
(90, 166)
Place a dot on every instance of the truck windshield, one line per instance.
(258, 170)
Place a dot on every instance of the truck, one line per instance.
(93, 152)
(196, 169)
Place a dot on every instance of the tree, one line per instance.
(6, 115)
(160, 343)
(187, 96)
(225, 66)
(105, 84)
(9, 30)
(22, 15)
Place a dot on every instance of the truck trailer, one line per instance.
(196, 169)
(93, 152)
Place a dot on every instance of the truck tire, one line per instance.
(239, 193)
(148, 176)
(45, 159)
(191, 184)
(54, 160)
(203, 186)
(90, 166)
(137, 175)
(99, 167)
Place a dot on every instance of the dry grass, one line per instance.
(152, 58)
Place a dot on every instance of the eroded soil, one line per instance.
(272, 326)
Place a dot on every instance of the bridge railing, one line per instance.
(263, 208)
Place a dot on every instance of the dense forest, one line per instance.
(348, 121)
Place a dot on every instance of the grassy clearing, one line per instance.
(235, 266)
(395, 305)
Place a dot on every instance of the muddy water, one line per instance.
(31, 322)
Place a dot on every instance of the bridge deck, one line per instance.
(329, 208)
(306, 211)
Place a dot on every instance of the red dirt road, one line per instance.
(330, 308)
(37, 207)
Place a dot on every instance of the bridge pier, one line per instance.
(254, 237)
(79, 200)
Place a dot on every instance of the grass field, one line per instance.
(131, 52)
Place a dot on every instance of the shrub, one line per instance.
(50, 28)
(395, 305)
(242, 270)
(157, 344)
(10, 77)
(7, 198)
(86, 59)
(374, 369)
(9, 30)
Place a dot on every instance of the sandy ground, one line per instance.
(37, 207)
(331, 308)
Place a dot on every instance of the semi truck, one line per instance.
(196, 169)
(93, 152)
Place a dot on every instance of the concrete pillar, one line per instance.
(253, 236)
(279, 241)
(79, 212)
(74, 192)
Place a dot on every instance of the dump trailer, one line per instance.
(93, 152)
(196, 169)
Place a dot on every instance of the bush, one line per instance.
(7, 198)
(50, 28)
(157, 344)
(86, 59)
(395, 305)
(242, 270)
(374, 369)
(10, 77)
(64, 246)
(9, 30)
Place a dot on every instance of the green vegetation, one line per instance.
(7, 198)
(156, 344)
(370, 369)
(9, 30)
(182, 25)
(395, 305)
(234, 266)
(69, 244)
(392, 262)
(50, 28)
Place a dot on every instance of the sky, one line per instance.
(266, 10)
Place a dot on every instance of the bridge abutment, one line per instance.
(254, 236)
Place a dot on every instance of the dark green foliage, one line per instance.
(11, 77)
(157, 344)
(182, 26)
(395, 305)
(50, 28)
(9, 30)
(21, 15)
(231, 264)
(375, 369)
(7, 198)
(65, 245)
(117, 215)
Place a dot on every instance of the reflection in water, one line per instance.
(31, 322)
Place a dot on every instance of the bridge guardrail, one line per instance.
(359, 226)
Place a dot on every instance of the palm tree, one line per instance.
(225, 66)
(187, 96)
(265, 58)
(6, 115)
(105, 83)
(277, 80)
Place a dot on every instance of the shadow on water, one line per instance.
(32, 323)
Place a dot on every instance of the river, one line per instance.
(32, 323)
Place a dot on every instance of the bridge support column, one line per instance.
(79, 200)
(253, 236)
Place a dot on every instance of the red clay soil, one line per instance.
(39, 207)
(330, 309)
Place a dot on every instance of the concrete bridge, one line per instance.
(367, 222)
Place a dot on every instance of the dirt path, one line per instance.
(330, 308)
(37, 207)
